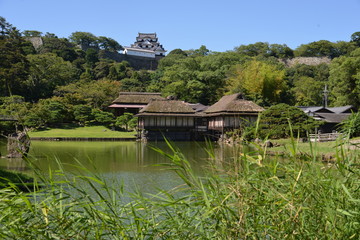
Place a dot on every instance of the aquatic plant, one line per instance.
(249, 195)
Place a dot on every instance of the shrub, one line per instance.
(82, 113)
(351, 126)
(102, 118)
(126, 120)
(275, 122)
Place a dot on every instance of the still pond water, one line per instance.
(131, 163)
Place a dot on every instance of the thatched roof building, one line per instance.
(231, 112)
(331, 116)
(233, 104)
(136, 97)
(167, 108)
(133, 101)
(171, 119)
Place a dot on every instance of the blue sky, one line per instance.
(219, 25)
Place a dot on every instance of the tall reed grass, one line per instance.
(249, 196)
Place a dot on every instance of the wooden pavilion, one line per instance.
(231, 112)
(172, 119)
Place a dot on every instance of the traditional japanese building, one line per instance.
(146, 45)
(132, 102)
(331, 116)
(231, 112)
(172, 119)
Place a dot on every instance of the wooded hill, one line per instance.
(60, 82)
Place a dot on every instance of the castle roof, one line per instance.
(146, 35)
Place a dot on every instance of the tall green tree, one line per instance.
(255, 49)
(95, 93)
(345, 80)
(308, 91)
(47, 71)
(60, 46)
(13, 63)
(31, 33)
(322, 48)
(265, 49)
(194, 78)
(47, 112)
(16, 107)
(91, 57)
(202, 51)
(109, 44)
(84, 39)
(355, 38)
(259, 81)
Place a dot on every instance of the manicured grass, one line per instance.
(82, 132)
(305, 147)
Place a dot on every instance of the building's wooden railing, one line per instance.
(324, 137)
(7, 118)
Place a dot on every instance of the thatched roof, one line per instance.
(137, 97)
(165, 107)
(234, 103)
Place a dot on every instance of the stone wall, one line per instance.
(37, 42)
(136, 62)
(312, 61)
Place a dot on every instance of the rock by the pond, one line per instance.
(18, 145)
(268, 144)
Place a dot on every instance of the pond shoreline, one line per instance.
(80, 139)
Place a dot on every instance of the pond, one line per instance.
(131, 163)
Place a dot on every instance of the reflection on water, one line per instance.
(127, 162)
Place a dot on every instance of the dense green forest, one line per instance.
(59, 81)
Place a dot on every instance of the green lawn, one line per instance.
(82, 132)
(318, 147)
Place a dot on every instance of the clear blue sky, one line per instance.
(188, 24)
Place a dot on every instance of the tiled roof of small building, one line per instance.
(235, 104)
(342, 109)
(332, 117)
(315, 109)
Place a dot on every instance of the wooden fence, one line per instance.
(324, 137)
